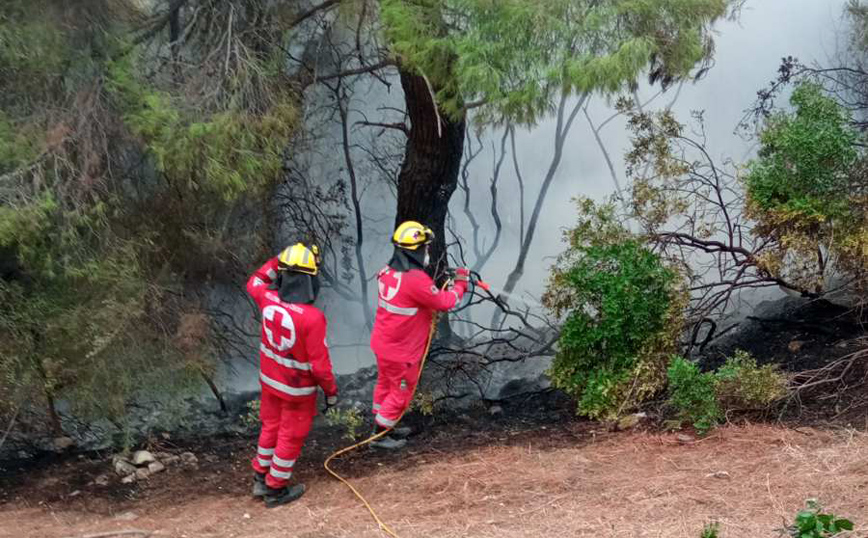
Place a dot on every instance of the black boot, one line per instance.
(259, 487)
(285, 495)
(387, 442)
(401, 432)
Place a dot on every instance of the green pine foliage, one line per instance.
(116, 191)
(518, 56)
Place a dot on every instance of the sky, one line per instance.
(748, 53)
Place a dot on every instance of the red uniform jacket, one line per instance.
(293, 354)
(405, 308)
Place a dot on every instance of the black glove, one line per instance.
(330, 402)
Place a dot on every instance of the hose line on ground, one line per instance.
(385, 528)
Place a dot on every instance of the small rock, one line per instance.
(127, 516)
(162, 455)
(246, 516)
(795, 346)
(165, 435)
(75, 493)
(171, 460)
(156, 467)
(684, 439)
(211, 458)
(129, 479)
(142, 473)
(718, 474)
(495, 410)
(630, 421)
(123, 467)
(189, 458)
(102, 480)
(142, 457)
(62, 443)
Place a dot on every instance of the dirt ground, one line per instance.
(560, 479)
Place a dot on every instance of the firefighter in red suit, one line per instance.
(407, 301)
(293, 362)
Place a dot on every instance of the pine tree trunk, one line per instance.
(429, 173)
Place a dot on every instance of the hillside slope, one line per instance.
(554, 480)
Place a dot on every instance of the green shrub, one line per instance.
(622, 306)
(742, 385)
(703, 398)
(692, 394)
(812, 522)
(250, 419)
(350, 419)
(805, 192)
(805, 159)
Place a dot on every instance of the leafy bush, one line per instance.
(742, 385)
(250, 419)
(812, 522)
(806, 156)
(622, 306)
(692, 394)
(350, 419)
(805, 191)
(703, 398)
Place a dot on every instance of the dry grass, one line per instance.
(624, 485)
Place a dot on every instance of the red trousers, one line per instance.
(396, 382)
(285, 425)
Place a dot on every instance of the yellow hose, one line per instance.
(385, 528)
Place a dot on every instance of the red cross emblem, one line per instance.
(279, 328)
(389, 283)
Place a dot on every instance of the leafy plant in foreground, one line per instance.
(812, 522)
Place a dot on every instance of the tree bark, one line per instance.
(429, 173)
(432, 161)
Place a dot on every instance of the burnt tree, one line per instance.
(432, 161)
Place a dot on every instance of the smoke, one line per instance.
(748, 53)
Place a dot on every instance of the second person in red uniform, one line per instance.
(406, 304)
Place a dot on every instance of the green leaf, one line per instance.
(844, 524)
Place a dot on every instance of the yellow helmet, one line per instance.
(299, 258)
(411, 234)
